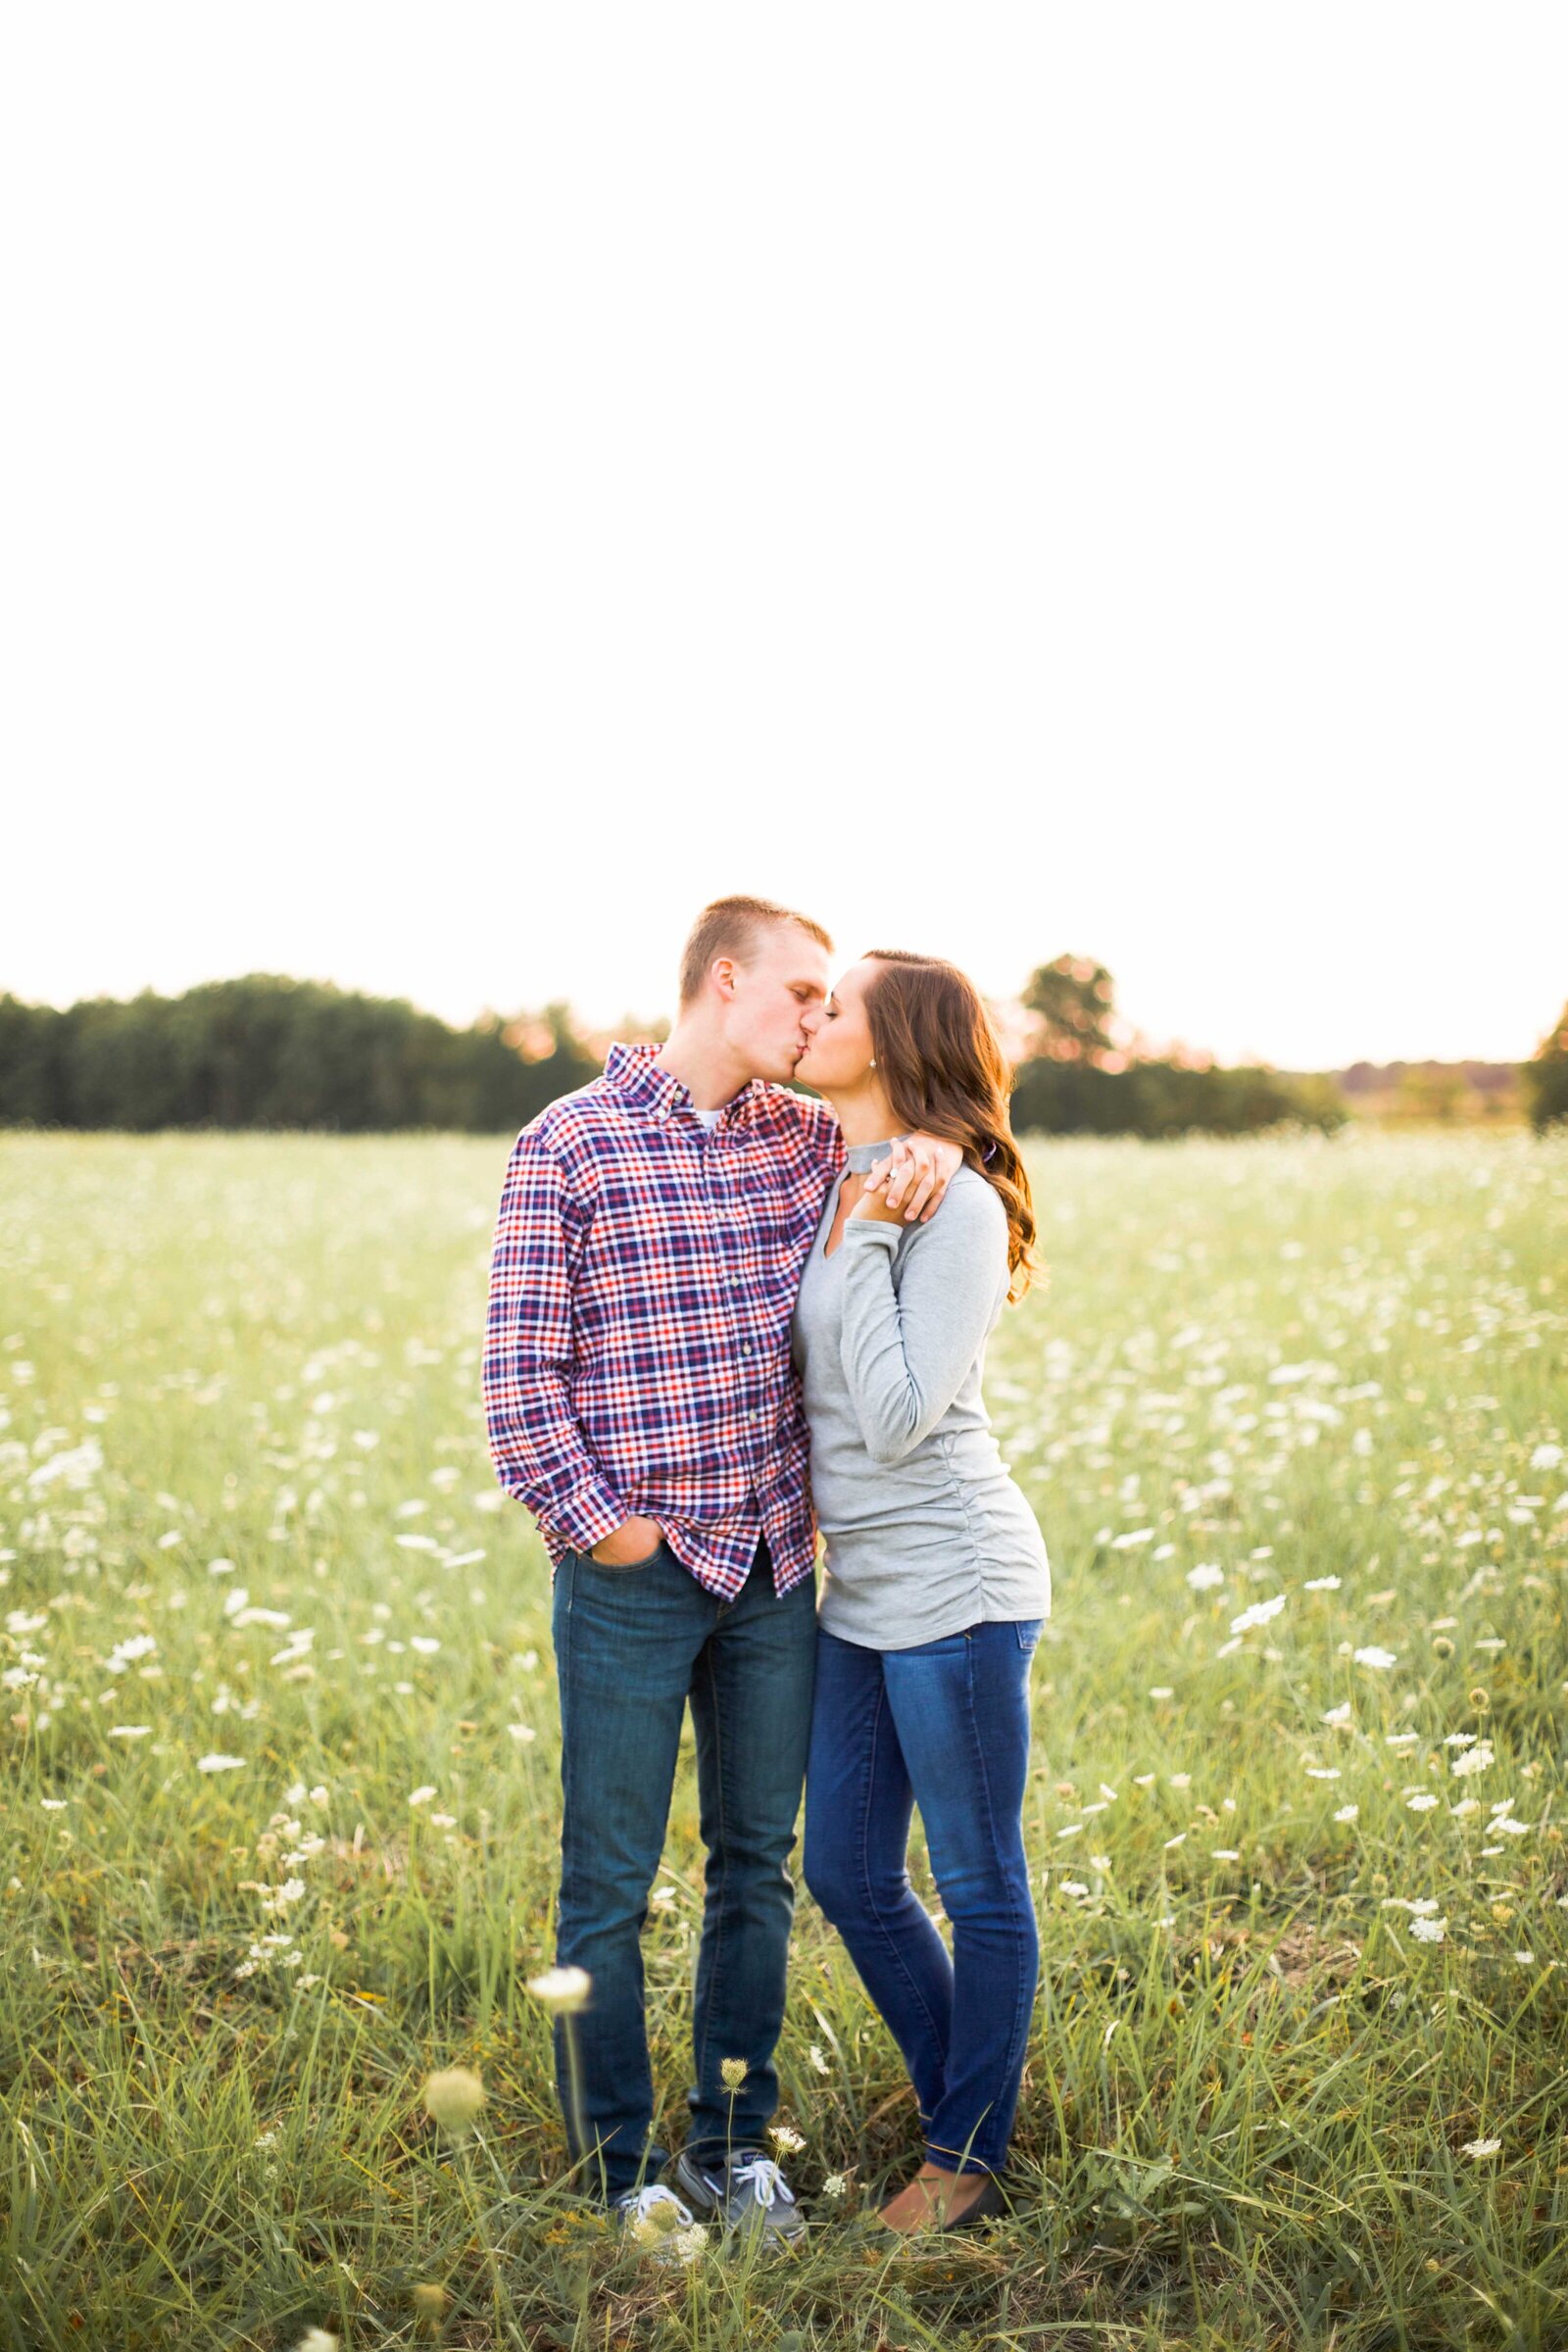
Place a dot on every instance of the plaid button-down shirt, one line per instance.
(637, 1347)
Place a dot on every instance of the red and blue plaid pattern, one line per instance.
(637, 1347)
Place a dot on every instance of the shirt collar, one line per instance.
(661, 1095)
(862, 1159)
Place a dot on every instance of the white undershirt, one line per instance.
(710, 1118)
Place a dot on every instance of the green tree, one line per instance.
(269, 1052)
(1547, 1077)
(32, 1065)
(1074, 1001)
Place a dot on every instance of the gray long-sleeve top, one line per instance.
(925, 1532)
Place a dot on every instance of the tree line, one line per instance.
(266, 1051)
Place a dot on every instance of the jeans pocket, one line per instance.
(1027, 1629)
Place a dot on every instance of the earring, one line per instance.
(870, 1066)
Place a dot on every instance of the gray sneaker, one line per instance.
(655, 2221)
(750, 2193)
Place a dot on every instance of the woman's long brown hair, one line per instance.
(943, 1071)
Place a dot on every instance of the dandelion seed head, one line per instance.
(453, 2098)
(562, 1990)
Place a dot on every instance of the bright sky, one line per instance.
(481, 481)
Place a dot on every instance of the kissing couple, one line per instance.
(723, 1316)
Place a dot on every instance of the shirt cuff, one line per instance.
(872, 1231)
(587, 1517)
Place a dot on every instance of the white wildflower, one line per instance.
(126, 1653)
(1258, 1614)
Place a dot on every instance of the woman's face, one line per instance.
(837, 1036)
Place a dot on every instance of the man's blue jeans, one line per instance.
(944, 1727)
(633, 1647)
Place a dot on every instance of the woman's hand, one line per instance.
(913, 1179)
(874, 1206)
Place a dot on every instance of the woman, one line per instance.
(937, 1581)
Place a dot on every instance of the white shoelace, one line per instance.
(762, 2174)
(648, 2200)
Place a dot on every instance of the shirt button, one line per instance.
(745, 1346)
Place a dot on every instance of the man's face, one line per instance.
(785, 981)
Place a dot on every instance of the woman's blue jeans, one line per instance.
(944, 1727)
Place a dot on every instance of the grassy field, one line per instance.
(281, 1747)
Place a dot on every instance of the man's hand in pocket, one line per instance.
(634, 1541)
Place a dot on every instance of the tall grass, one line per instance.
(281, 1747)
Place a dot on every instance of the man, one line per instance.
(642, 1403)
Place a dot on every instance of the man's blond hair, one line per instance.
(732, 927)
